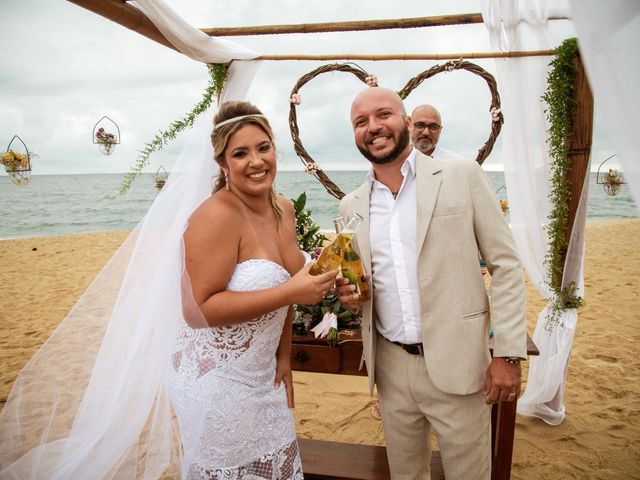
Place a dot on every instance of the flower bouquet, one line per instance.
(107, 141)
(613, 181)
(325, 319)
(15, 161)
(17, 165)
(504, 206)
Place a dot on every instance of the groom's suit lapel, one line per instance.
(428, 180)
(361, 206)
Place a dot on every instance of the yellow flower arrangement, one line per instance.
(504, 206)
(13, 161)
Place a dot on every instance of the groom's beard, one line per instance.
(403, 141)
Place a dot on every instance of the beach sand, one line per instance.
(599, 438)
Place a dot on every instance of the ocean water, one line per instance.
(69, 204)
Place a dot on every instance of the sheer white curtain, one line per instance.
(522, 25)
(203, 48)
(93, 401)
(609, 37)
(522, 81)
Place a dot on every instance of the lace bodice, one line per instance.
(234, 423)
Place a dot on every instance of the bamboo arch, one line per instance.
(579, 140)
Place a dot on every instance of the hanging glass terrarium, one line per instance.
(106, 134)
(160, 177)
(504, 203)
(17, 161)
(612, 180)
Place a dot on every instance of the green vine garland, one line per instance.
(217, 76)
(561, 103)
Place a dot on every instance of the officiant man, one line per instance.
(425, 130)
(426, 329)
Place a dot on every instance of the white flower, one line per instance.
(312, 168)
(295, 99)
(329, 321)
(371, 80)
(495, 114)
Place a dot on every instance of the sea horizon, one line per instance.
(65, 204)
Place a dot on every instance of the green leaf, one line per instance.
(561, 102)
(348, 274)
(217, 76)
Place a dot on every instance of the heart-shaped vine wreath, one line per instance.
(313, 168)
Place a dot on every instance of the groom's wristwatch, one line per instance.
(512, 360)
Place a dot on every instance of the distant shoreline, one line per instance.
(324, 231)
(85, 203)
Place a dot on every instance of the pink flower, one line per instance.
(371, 80)
(295, 99)
(312, 168)
(495, 114)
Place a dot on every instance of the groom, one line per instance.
(425, 330)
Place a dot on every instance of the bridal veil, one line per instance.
(93, 401)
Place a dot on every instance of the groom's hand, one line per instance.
(502, 383)
(346, 293)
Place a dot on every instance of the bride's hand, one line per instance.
(309, 289)
(283, 373)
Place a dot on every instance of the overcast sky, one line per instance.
(62, 68)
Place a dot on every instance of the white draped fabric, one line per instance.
(93, 401)
(203, 48)
(609, 36)
(522, 81)
(522, 25)
(544, 394)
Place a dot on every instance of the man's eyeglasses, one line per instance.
(433, 127)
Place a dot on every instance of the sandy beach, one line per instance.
(599, 439)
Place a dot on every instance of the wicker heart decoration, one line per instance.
(312, 167)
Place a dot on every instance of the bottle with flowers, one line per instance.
(613, 181)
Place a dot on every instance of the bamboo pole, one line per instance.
(417, 56)
(442, 20)
(121, 12)
(418, 22)
(127, 16)
(579, 142)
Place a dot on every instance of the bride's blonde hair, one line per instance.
(225, 126)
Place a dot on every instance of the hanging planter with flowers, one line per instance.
(17, 161)
(504, 203)
(611, 181)
(160, 177)
(106, 138)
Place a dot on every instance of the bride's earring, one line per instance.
(226, 180)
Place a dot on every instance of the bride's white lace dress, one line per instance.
(234, 423)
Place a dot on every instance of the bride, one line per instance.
(232, 381)
(192, 316)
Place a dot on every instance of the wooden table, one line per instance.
(314, 355)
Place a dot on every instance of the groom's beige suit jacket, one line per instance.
(458, 217)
